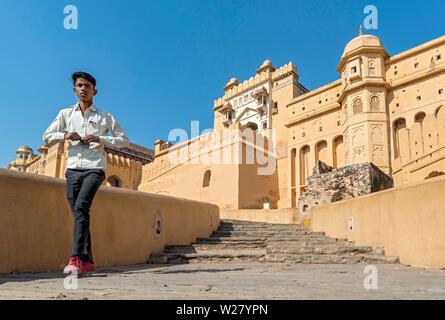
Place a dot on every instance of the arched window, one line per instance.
(374, 104)
(419, 117)
(293, 157)
(338, 150)
(321, 151)
(357, 106)
(371, 67)
(114, 181)
(206, 179)
(398, 124)
(304, 164)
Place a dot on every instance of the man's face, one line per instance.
(84, 90)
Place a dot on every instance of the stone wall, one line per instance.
(328, 184)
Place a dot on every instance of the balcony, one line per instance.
(261, 108)
(274, 110)
(227, 107)
(227, 122)
(259, 92)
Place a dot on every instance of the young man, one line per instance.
(85, 127)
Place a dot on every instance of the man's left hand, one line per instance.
(91, 138)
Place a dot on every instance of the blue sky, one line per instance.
(160, 64)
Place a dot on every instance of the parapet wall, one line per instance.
(36, 224)
(276, 216)
(408, 221)
(256, 80)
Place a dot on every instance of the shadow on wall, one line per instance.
(434, 174)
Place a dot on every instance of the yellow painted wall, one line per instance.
(233, 183)
(408, 221)
(421, 148)
(315, 120)
(279, 216)
(36, 224)
(284, 90)
(186, 181)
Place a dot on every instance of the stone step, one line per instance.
(214, 247)
(380, 259)
(296, 237)
(277, 229)
(215, 239)
(328, 258)
(231, 243)
(265, 233)
(270, 242)
(219, 255)
(319, 249)
(251, 223)
(276, 238)
(262, 242)
(266, 227)
(306, 242)
(310, 243)
(252, 256)
(293, 230)
(288, 251)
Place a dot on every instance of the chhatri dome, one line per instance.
(267, 64)
(25, 148)
(368, 41)
(232, 82)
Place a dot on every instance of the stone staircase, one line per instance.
(237, 240)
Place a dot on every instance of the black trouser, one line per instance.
(81, 187)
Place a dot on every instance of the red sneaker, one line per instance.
(88, 266)
(74, 266)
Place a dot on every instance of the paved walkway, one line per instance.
(231, 281)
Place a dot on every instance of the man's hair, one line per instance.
(83, 75)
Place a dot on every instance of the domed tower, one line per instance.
(24, 154)
(363, 99)
(266, 66)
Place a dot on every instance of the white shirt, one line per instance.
(94, 122)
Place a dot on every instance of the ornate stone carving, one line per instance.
(371, 67)
(377, 154)
(375, 104)
(376, 134)
(357, 135)
(357, 106)
(358, 153)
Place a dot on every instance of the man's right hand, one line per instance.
(73, 136)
